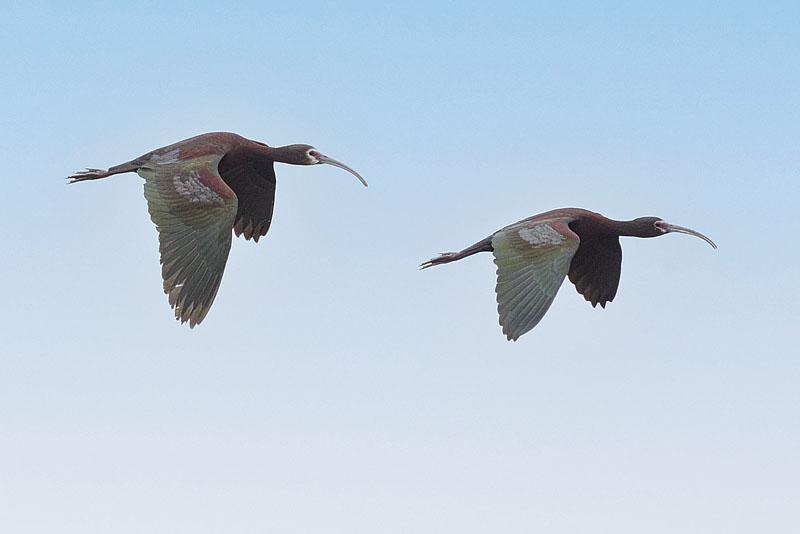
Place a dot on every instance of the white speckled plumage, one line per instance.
(540, 235)
(167, 157)
(192, 189)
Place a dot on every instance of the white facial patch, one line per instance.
(192, 189)
(541, 235)
(167, 157)
(311, 156)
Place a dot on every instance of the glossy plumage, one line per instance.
(197, 191)
(535, 254)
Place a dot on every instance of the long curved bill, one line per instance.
(682, 230)
(322, 158)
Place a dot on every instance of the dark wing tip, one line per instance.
(250, 232)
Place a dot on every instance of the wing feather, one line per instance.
(252, 178)
(194, 211)
(595, 269)
(532, 259)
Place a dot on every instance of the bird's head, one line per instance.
(308, 155)
(654, 227)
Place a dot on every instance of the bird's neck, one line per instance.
(632, 229)
(601, 227)
(285, 154)
(626, 228)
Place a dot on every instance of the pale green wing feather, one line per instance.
(532, 259)
(194, 211)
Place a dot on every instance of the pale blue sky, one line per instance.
(335, 388)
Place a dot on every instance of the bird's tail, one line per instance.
(96, 174)
(485, 245)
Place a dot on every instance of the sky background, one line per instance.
(335, 388)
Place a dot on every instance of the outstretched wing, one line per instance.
(194, 211)
(252, 178)
(595, 269)
(532, 259)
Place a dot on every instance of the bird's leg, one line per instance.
(444, 257)
(484, 245)
(88, 174)
(96, 174)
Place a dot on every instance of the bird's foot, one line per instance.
(444, 257)
(88, 174)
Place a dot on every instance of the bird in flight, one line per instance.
(535, 254)
(197, 191)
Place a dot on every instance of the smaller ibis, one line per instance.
(535, 254)
(199, 190)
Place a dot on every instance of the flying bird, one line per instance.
(197, 191)
(535, 254)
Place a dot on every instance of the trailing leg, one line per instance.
(96, 174)
(484, 245)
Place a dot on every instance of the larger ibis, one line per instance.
(535, 254)
(197, 191)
